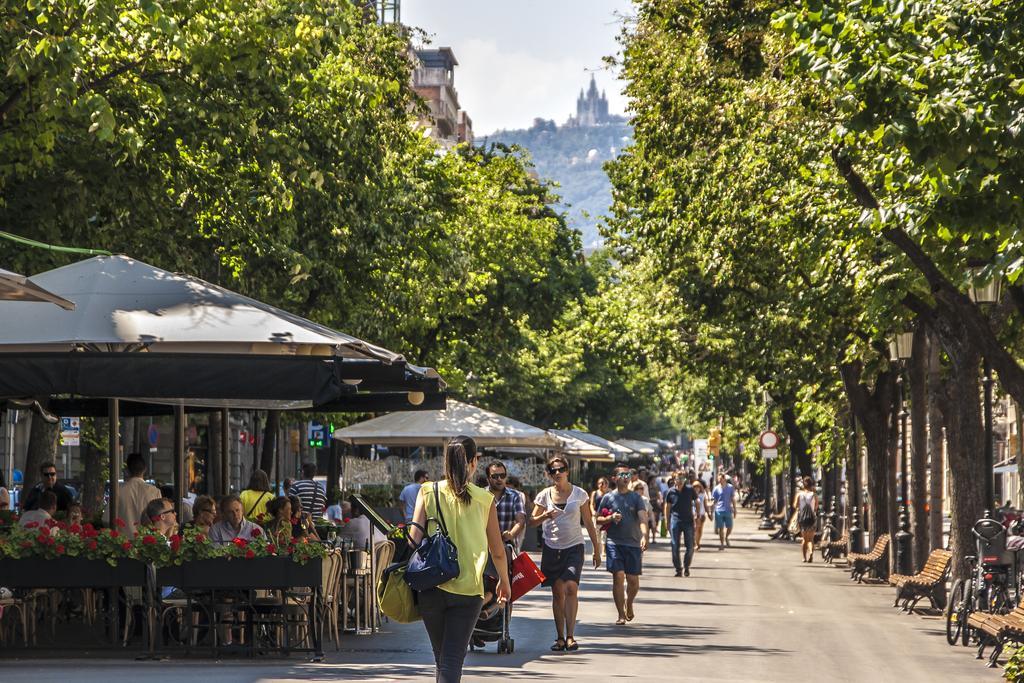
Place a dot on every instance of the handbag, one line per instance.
(396, 599)
(436, 560)
(524, 575)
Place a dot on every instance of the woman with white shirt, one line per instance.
(560, 508)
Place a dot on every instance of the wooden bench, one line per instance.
(876, 560)
(929, 583)
(830, 550)
(997, 629)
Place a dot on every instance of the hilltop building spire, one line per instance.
(591, 108)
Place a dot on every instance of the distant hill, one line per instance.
(573, 157)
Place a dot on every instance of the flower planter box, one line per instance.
(69, 572)
(226, 574)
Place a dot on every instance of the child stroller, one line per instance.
(493, 624)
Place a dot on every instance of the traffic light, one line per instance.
(714, 441)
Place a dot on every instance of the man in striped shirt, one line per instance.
(314, 498)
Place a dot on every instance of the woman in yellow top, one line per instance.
(450, 611)
(256, 497)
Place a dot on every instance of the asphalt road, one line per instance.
(753, 612)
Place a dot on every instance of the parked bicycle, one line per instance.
(994, 583)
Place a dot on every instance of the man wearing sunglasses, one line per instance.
(48, 472)
(511, 513)
(626, 541)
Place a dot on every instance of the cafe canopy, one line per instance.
(618, 451)
(15, 287)
(437, 427)
(641, 447)
(142, 333)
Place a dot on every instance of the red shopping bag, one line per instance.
(524, 576)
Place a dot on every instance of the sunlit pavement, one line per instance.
(753, 612)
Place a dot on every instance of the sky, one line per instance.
(521, 59)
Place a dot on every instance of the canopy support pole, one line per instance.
(225, 453)
(180, 483)
(114, 451)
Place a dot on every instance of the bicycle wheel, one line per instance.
(954, 609)
(965, 613)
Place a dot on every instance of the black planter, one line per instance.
(226, 574)
(70, 572)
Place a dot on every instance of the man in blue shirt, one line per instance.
(626, 541)
(680, 511)
(411, 492)
(724, 496)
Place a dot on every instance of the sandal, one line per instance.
(621, 621)
(571, 645)
(558, 645)
(630, 616)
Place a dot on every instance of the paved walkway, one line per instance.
(753, 612)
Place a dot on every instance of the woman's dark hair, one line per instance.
(276, 505)
(808, 483)
(557, 458)
(460, 452)
(259, 481)
(296, 505)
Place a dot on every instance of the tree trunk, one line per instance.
(797, 443)
(96, 468)
(270, 435)
(965, 441)
(872, 408)
(42, 447)
(936, 462)
(919, 446)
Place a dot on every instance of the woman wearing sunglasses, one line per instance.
(560, 508)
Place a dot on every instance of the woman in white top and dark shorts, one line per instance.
(561, 508)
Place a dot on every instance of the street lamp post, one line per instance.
(901, 347)
(767, 523)
(853, 490)
(986, 291)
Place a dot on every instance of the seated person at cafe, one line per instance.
(279, 528)
(159, 517)
(358, 527)
(167, 491)
(46, 506)
(75, 515)
(204, 514)
(334, 513)
(302, 522)
(233, 523)
(48, 473)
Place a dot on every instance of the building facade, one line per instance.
(433, 80)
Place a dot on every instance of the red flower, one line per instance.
(44, 531)
(126, 546)
(113, 533)
(271, 548)
(60, 550)
(75, 528)
(148, 540)
(249, 554)
(41, 539)
(32, 525)
(92, 545)
(52, 523)
(256, 533)
(346, 520)
(88, 527)
(200, 538)
(118, 522)
(175, 542)
(240, 542)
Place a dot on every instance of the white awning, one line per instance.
(14, 287)
(437, 427)
(642, 447)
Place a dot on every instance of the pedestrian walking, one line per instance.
(600, 488)
(411, 492)
(805, 505)
(511, 513)
(681, 511)
(703, 509)
(626, 542)
(450, 611)
(312, 496)
(724, 496)
(561, 508)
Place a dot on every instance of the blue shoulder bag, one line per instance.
(436, 560)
